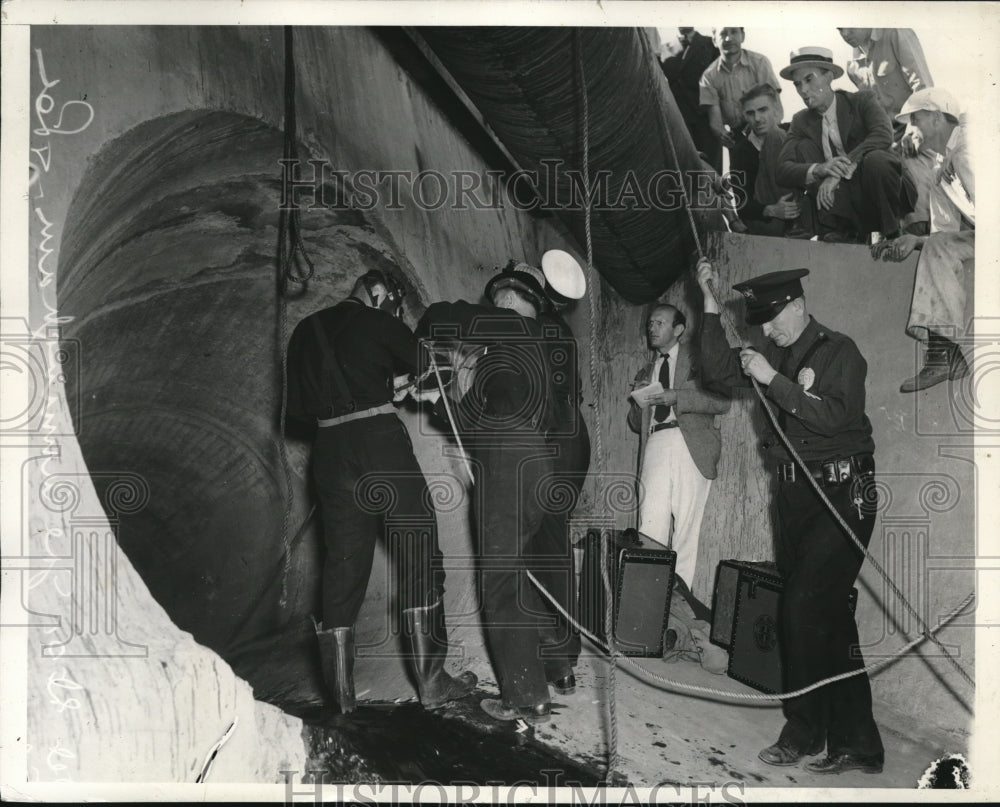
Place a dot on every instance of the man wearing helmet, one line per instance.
(502, 420)
(341, 364)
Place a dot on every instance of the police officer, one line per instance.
(502, 420)
(341, 365)
(816, 379)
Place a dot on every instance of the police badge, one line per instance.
(806, 377)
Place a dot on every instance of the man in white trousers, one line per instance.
(680, 440)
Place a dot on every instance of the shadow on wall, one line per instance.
(168, 269)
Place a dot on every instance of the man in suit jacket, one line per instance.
(839, 149)
(680, 441)
(683, 71)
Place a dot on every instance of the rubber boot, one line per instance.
(427, 636)
(336, 653)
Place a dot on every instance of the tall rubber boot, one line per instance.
(336, 653)
(427, 637)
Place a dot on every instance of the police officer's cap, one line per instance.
(768, 294)
(521, 279)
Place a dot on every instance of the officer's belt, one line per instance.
(829, 472)
(384, 409)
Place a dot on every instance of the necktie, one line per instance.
(827, 144)
(661, 412)
(831, 137)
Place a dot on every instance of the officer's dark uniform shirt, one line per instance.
(824, 399)
(370, 349)
(511, 389)
(567, 385)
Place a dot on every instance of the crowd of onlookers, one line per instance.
(886, 165)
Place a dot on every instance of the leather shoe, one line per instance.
(781, 754)
(939, 365)
(839, 763)
(565, 685)
(500, 710)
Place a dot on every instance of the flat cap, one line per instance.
(768, 294)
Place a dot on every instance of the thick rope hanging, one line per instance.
(595, 386)
(724, 315)
(290, 248)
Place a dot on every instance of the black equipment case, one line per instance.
(642, 579)
(745, 619)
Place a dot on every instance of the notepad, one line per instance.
(642, 395)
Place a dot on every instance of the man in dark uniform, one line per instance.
(569, 436)
(502, 420)
(341, 365)
(819, 391)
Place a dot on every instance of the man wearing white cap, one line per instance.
(563, 282)
(838, 148)
(890, 62)
(937, 310)
(502, 420)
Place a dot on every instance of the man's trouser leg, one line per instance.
(921, 170)
(395, 491)
(340, 458)
(882, 192)
(939, 294)
(673, 487)
(820, 564)
(938, 314)
(507, 514)
(553, 551)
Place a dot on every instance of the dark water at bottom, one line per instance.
(400, 742)
(404, 743)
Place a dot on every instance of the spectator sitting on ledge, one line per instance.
(838, 148)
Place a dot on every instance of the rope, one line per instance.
(729, 693)
(289, 223)
(724, 314)
(663, 127)
(873, 667)
(451, 420)
(924, 628)
(279, 569)
(595, 387)
(290, 247)
(850, 533)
